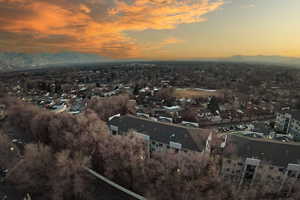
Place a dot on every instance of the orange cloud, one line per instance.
(84, 8)
(161, 14)
(162, 44)
(55, 25)
(159, 49)
(171, 40)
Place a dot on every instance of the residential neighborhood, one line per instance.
(251, 137)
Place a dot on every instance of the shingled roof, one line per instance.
(295, 114)
(10, 192)
(161, 132)
(276, 153)
(103, 191)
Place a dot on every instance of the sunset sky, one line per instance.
(152, 29)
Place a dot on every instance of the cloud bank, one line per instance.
(93, 26)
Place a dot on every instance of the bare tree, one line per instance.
(70, 180)
(183, 176)
(9, 153)
(106, 107)
(21, 115)
(39, 127)
(121, 158)
(33, 172)
(167, 94)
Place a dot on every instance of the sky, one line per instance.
(152, 29)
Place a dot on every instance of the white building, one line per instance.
(289, 123)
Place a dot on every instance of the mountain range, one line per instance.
(265, 59)
(16, 61)
(10, 61)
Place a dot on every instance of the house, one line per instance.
(172, 109)
(165, 119)
(289, 123)
(59, 108)
(143, 115)
(190, 124)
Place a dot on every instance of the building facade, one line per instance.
(159, 136)
(245, 172)
(289, 123)
(255, 160)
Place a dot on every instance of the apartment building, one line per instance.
(289, 123)
(254, 160)
(160, 136)
(260, 160)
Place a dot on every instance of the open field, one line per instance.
(196, 93)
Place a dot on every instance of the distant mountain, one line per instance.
(7, 67)
(265, 59)
(15, 61)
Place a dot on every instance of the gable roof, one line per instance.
(158, 131)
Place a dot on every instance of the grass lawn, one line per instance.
(194, 93)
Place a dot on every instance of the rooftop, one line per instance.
(295, 114)
(103, 191)
(190, 138)
(276, 153)
(10, 192)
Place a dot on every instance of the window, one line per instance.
(291, 173)
(281, 169)
(114, 132)
(250, 168)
